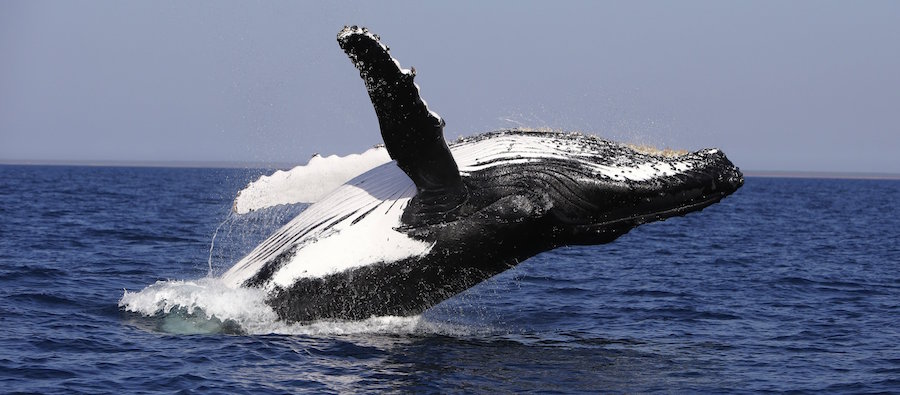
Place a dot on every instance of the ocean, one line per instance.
(107, 285)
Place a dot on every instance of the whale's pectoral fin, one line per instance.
(413, 135)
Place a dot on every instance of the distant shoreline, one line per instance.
(284, 165)
(821, 174)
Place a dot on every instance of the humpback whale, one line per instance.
(430, 220)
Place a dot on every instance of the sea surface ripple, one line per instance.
(790, 285)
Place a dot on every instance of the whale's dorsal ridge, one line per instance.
(412, 134)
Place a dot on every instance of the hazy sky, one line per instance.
(780, 85)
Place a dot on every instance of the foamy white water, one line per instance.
(207, 305)
(207, 296)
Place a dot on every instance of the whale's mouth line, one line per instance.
(662, 215)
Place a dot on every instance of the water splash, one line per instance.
(207, 298)
(238, 234)
(207, 306)
(212, 244)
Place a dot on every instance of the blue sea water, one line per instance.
(788, 285)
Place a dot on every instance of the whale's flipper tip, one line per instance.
(412, 134)
(348, 31)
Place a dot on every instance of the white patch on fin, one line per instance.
(356, 225)
(308, 183)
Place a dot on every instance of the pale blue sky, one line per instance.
(798, 85)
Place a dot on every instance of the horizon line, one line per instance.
(286, 165)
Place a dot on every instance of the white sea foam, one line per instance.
(208, 305)
(208, 297)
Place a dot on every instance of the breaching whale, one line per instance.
(429, 220)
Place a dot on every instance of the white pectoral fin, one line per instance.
(307, 183)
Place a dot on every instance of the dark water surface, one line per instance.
(790, 284)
